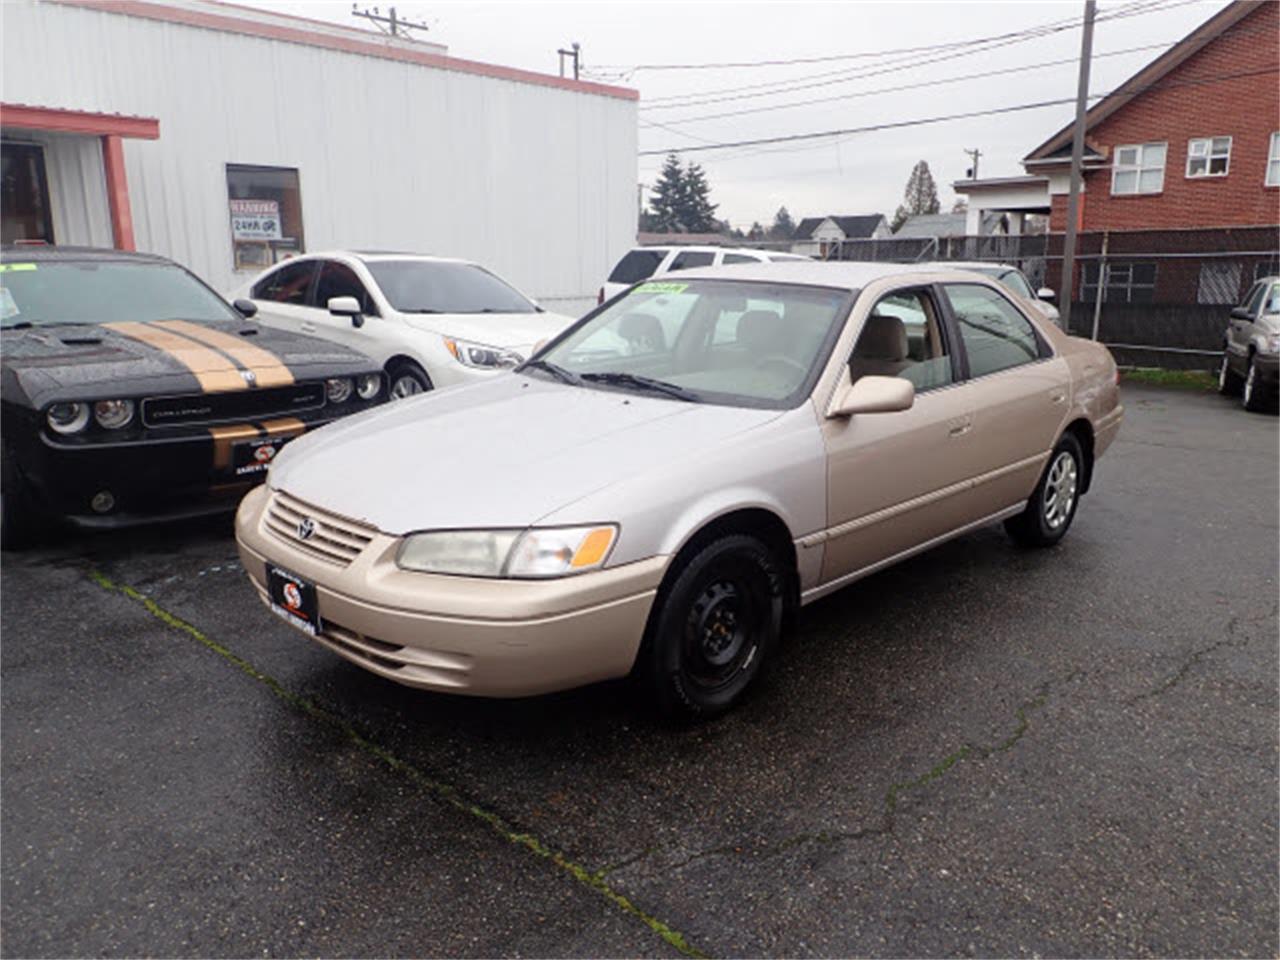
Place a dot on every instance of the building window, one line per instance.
(265, 207)
(1208, 157)
(1125, 283)
(1273, 162)
(24, 195)
(1219, 282)
(1138, 168)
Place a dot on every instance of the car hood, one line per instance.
(88, 360)
(500, 453)
(511, 331)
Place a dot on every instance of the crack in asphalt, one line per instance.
(1194, 658)
(443, 791)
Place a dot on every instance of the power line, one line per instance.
(968, 48)
(892, 125)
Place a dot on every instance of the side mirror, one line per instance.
(246, 308)
(1241, 313)
(874, 395)
(1044, 293)
(347, 307)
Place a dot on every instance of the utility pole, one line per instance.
(575, 52)
(1077, 159)
(975, 153)
(399, 27)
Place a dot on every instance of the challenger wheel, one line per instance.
(712, 628)
(1052, 506)
(19, 519)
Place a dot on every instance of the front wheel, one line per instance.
(19, 516)
(1228, 380)
(407, 379)
(1251, 397)
(712, 628)
(1052, 506)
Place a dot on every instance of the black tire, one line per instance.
(1229, 382)
(1253, 396)
(407, 377)
(19, 516)
(1044, 521)
(712, 628)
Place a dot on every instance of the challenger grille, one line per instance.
(235, 405)
(333, 538)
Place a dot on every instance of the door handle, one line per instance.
(959, 426)
(1057, 396)
(308, 326)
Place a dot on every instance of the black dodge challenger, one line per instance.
(130, 391)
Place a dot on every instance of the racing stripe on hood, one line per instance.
(268, 369)
(213, 370)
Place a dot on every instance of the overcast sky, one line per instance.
(862, 173)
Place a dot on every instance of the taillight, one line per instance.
(600, 297)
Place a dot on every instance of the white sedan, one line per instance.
(430, 322)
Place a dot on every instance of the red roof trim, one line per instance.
(369, 48)
(78, 121)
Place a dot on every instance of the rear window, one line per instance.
(636, 266)
(104, 292)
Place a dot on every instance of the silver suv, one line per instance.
(1251, 346)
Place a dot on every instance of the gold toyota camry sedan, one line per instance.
(655, 489)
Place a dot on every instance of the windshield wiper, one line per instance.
(423, 310)
(560, 373)
(616, 379)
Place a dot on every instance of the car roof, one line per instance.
(849, 275)
(53, 254)
(971, 265)
(379, 256)
(704, 248)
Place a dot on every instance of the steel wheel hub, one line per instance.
(716, 623)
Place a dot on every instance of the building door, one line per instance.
(24, 194)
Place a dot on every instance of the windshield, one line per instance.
(715, 341)
(427, 286)
(49, 292)
(1273, 300)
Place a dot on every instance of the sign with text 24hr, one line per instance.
(255, 219)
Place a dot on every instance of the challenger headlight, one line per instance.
(480, 356)
(338, 389)
(113, 414)
(67, 418)
(551, 552)
(368, 385)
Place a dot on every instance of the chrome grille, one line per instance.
(334, 539)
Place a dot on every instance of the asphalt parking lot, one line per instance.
(983, 751)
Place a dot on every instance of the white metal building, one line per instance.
(228, 138)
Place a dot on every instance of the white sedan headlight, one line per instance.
(480, 356)
(550, 552)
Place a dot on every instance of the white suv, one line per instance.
(428, 321)
(645, 262)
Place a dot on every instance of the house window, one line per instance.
(1125, 283)
(1273, 162)
(1219, 281)
(1138, 168)
(265, 207)
(1208, 157)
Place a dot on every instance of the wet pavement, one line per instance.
(983, 751)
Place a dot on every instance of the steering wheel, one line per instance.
(778, 359)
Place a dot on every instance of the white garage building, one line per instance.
(229, 138)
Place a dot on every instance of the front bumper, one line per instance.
(494, 638)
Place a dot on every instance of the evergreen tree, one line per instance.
(697, 212)
(921, 195)
(756, 232)
(783, 228)
(667, 201)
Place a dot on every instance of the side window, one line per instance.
(691, 258)
(996, 335)
(1272, 302)
(636, 266)
(739, 258)
(903, 337)
(289, 284)
(339, 280)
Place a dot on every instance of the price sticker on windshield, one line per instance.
(662, 288)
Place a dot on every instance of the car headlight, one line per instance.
(338, 389)
(113, 414)
(368, 385)
(66, 418)
(550, 552)
(1273, 343)
(478, 355)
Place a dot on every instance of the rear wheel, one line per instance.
(712, 628)
(1052, 506)
(406, 379)
(1229, 381)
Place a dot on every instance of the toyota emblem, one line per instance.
(306, 527)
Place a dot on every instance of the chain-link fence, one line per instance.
(1156, 297)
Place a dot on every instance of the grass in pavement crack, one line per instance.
(443, 791)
